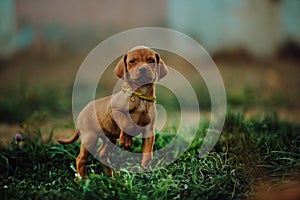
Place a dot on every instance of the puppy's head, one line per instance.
(141, 65)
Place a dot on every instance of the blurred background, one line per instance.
(254, 43)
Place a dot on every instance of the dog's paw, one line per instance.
(79, 177)
(125, 141)
(128, 143)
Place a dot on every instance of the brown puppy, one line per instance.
(123, 115)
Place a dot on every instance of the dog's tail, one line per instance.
(74, 137)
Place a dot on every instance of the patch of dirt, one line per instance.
(8, 132)
(285, 190)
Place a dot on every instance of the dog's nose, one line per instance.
(143, 69)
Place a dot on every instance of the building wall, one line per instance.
(74, 25)
(260, 27)
(7, 27)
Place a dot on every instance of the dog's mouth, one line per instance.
(144, 79)
(142, 75)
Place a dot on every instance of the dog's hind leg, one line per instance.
(104, 154)
(88, 145)
(81, 162)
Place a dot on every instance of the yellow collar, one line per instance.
(129, 93)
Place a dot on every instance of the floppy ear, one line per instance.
(121, 68)
(162, 69)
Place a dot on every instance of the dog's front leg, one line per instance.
(148, 142)
(127, 126)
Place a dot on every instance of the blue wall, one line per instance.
(12, 38)
(257, 26)
(260, 27)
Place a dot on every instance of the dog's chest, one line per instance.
(140, 113)
(141, 106)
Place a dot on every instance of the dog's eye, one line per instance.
(132, 61)
(151, 60)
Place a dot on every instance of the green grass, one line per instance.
(251, 97)
(16, 104)
(247, 152)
